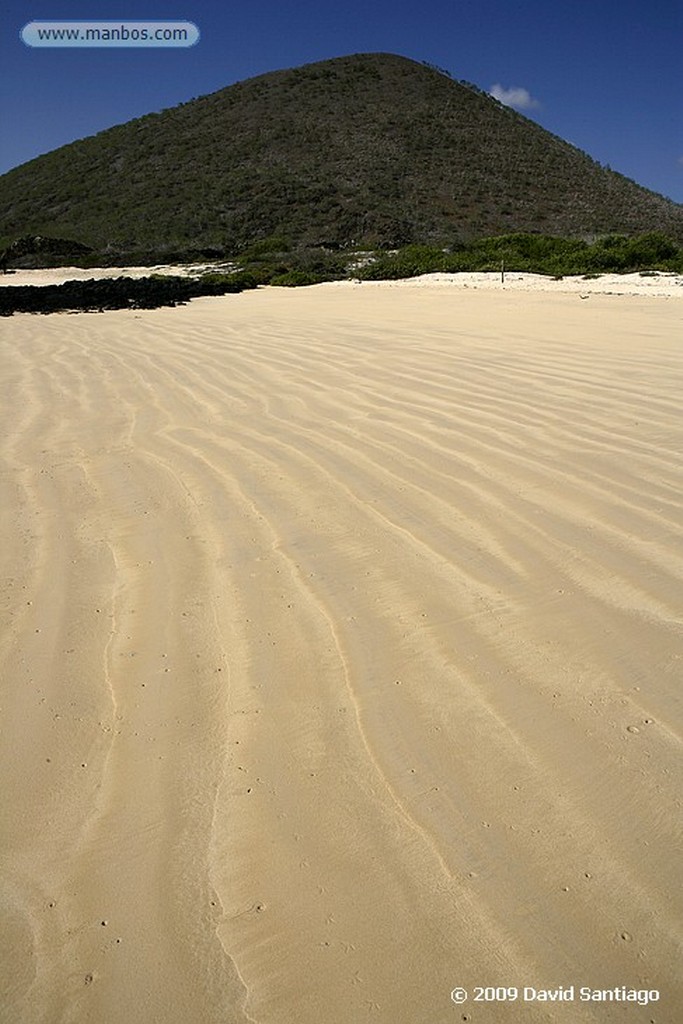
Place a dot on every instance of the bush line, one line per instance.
(273, 262)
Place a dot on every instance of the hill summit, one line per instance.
(370, 148)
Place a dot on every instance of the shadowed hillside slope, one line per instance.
(369, 148)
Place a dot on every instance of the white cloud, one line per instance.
(514, 97)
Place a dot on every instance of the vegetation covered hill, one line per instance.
(369, 149)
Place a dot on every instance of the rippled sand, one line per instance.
(340, 657)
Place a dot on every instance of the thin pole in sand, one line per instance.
(502, 271)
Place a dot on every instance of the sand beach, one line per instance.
(340, 656)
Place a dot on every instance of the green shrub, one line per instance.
(651, 251)
(528, 253)
(296, 279)
(265, 247)
(410, 261)
(214, 277)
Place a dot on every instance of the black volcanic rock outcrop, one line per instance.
(117, 293)
(371, 147)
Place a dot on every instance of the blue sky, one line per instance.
(606, 75)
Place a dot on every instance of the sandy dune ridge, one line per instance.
(340, 657)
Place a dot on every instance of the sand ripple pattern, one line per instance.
(340, 658)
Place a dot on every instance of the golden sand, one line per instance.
(340, 658)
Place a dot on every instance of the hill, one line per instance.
(369, 148)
